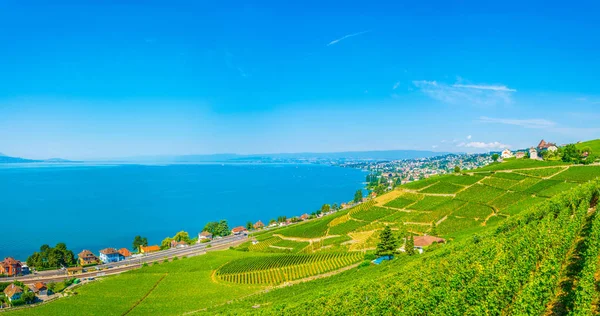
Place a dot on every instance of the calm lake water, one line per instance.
(94, 207)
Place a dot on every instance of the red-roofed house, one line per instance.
(39, 288)
(425, 241)
(149, 249)
(125, 252)
(86, 257)
(304, 217)
(178, 244)
(239, 230)
(258, 225)
(13, 292)
(10, 267)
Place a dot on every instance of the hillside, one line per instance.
(513, 234)
(593, 144)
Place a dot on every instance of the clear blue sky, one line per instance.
(92, 79)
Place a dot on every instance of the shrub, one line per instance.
(365, 263)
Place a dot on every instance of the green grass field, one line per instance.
(430, 202)
(512, 164)
(443, 188)
(541, 173)
(480, 193)
(474, 210)
(371, 214)
(346, 227)
(579, 174)
(593, 144)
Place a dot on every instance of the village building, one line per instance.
(10, 266)
(149, 249)
(520, 155)
(533, 154)
(552, 148)
(304, 217)
(543, 145)
(109, 255)
(239, 230)
(40, 288)
(425, 241)
(506, 154)
(74, 271)
(179, 244)
(125, 253)
(258, 225)
(13, 292)
(205, 235)
(86, 257)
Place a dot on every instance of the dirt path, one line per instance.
(311, 240)
(145, 296)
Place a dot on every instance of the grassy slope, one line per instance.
(186, 286)
(594, 144)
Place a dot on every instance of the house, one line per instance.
(86, 257)
(149, 249)
(179, 244)
(125, 253)
(239, 230)
(543, 145)
(533, 154)
(254, 242)
(520, 155)
(24, 269)
(40, 288)
(552, 148)
(10, 267)
(304, 217)
(425, 241)
(258, 225)
(205, 235)
(109, 255)
(13, 292)
(506, 154)
(74, 270)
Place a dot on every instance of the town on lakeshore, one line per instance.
(54, 272)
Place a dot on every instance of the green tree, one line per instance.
(387, 243)
(166, 243)
(139, 241)
(570, 153)
(325, 208)
(281, 219)
(495, 157)
(456, 169)
(410, 245)
(358, 196)
(249, 225)
(182, 236)
(335, 207)
(28, 297)
(223, 228)
(272, 221)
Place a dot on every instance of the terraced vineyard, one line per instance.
(278, 269)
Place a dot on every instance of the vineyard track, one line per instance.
(311, 240)
(145, 296)
(554, 175)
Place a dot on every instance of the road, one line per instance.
(132, 263)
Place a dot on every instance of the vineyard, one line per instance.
(278, 269)
(543, 261)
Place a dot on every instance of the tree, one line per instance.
(166, 243)
(358, 196)
(281, 219)
(249, 225)
(495, 157)
(456, 169)
(570, 153)
(325, 208)
(434, 229)
(410, 245)
(28, 297)
(335, 207)
(223, 228)
(272, 221)
(387, 243)
(139, 241)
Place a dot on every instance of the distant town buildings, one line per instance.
(239, 230)
(109, 255)
(520, 155)
(205, 236)
(506, 154)
(543, 145)
(86, 257)
(533, 154)
(258, 225)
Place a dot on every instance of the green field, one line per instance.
(579, 174)
(443, 187)
(346, 227)
(593, 144)
(541, 173)
(430, 202)
(371, 214)
(474, 210)
(480, 193)
(512, 164)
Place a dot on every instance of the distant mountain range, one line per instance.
(282, 157)
(8, 159)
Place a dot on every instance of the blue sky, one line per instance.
(86, 80)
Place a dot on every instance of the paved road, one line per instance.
(132, 263)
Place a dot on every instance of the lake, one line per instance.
(99, 206)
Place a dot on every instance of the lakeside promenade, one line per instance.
(132, 263)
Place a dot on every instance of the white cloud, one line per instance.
(396, 85)
(345, 37)
(529, 123)
(482, 145)
(469, 137)
(434, 146)
(484, 87)
(472, 94)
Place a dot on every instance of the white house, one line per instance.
(204, 235)
(533, 154)
(552, 148)
(507, 154)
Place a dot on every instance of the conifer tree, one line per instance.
(387, 244)
(410, 245)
